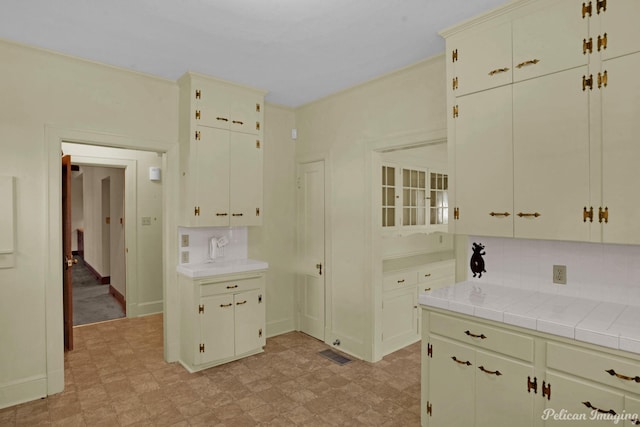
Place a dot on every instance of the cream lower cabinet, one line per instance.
(481, 373)
(400, 311)
(222, 319)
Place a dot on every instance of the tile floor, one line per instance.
(116, 376)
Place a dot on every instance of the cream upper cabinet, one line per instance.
(620, 110)
(615, 30)
(549, 39)
(484, 163)
(481, 59)
(221, 146)
(551, 157)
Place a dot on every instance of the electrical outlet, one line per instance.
(185, 257)
(560, 274)
(185, 240)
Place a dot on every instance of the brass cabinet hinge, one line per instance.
(456, 213)
(601, 4)
(429, 350)
(546, 390)
(602, 42)
(429, 408)
(197, 135)
(258, 108)
(587, 82)
(196, 211)
(587, 214)
(532, 385)
(586, 9)
(257, 143)
(603, 214)
(257, 125)
(198, 93)
(201, 309)
(197, 114)
(602, 79)
(587, 46)
(455, 111)
(454, 55)
(201, 348)
(455, 83)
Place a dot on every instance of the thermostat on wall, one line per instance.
(154, 174)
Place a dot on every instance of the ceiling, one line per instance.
(298, 50)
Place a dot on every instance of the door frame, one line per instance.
(328, 264)
(52, 226)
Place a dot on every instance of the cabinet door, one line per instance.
(245, 179)
(484, 163)
(451, 377)
(212, 176)
(211, 108)
(578, 398)
(399, 318)
(249, 321)
(549, 40)
(501, 391)
(246, 113)
(620, 150)
(551, 157)
(619, 22)
(216, 329)
(482, 59)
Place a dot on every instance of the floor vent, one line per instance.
(334, 357)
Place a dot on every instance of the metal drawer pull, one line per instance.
(237, 214)
(498, 70)
(481, 336)
(427, 289)
(237, 122)
(499, 213)
(529, 62)
(232, 286)
(427, 275)
(226, 305)
(223, 119)
(496, 373)
(623, 377)
(535, 214)
(222, 214)
(241, 302)
(401, 281)
(460, 361)
(602, 411)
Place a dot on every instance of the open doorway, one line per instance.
(98, 243)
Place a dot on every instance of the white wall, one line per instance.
(339, 128)
(77, 213)
(603, 272)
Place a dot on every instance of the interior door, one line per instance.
(68, 261)
(311, 303)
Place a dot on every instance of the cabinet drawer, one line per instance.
(399, 280)
(234, 286)
(437, 272)
(482, 336)
(603, 368)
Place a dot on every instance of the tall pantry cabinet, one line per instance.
(221, 152)
(540, 134)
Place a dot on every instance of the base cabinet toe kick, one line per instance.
(477, 372)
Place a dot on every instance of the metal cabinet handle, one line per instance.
(496, 373)
(529, 62)
(623, 377)
(237, 214)
(481, 336)
(498, 70)
(524, 214)
(602, 411)
(222, 119)
(226, 305)
(401, 281)
(319, 267)
(222, 214)
(460, 361)
(241, 302)
(499, 213)
(237, 122)
(232, 286)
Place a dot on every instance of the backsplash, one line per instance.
(198, 247)
(596, 271)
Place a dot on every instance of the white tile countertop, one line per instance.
(603, 323)
(217, 268)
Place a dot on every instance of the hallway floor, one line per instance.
(116, 377)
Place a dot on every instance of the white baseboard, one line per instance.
(22, 391)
